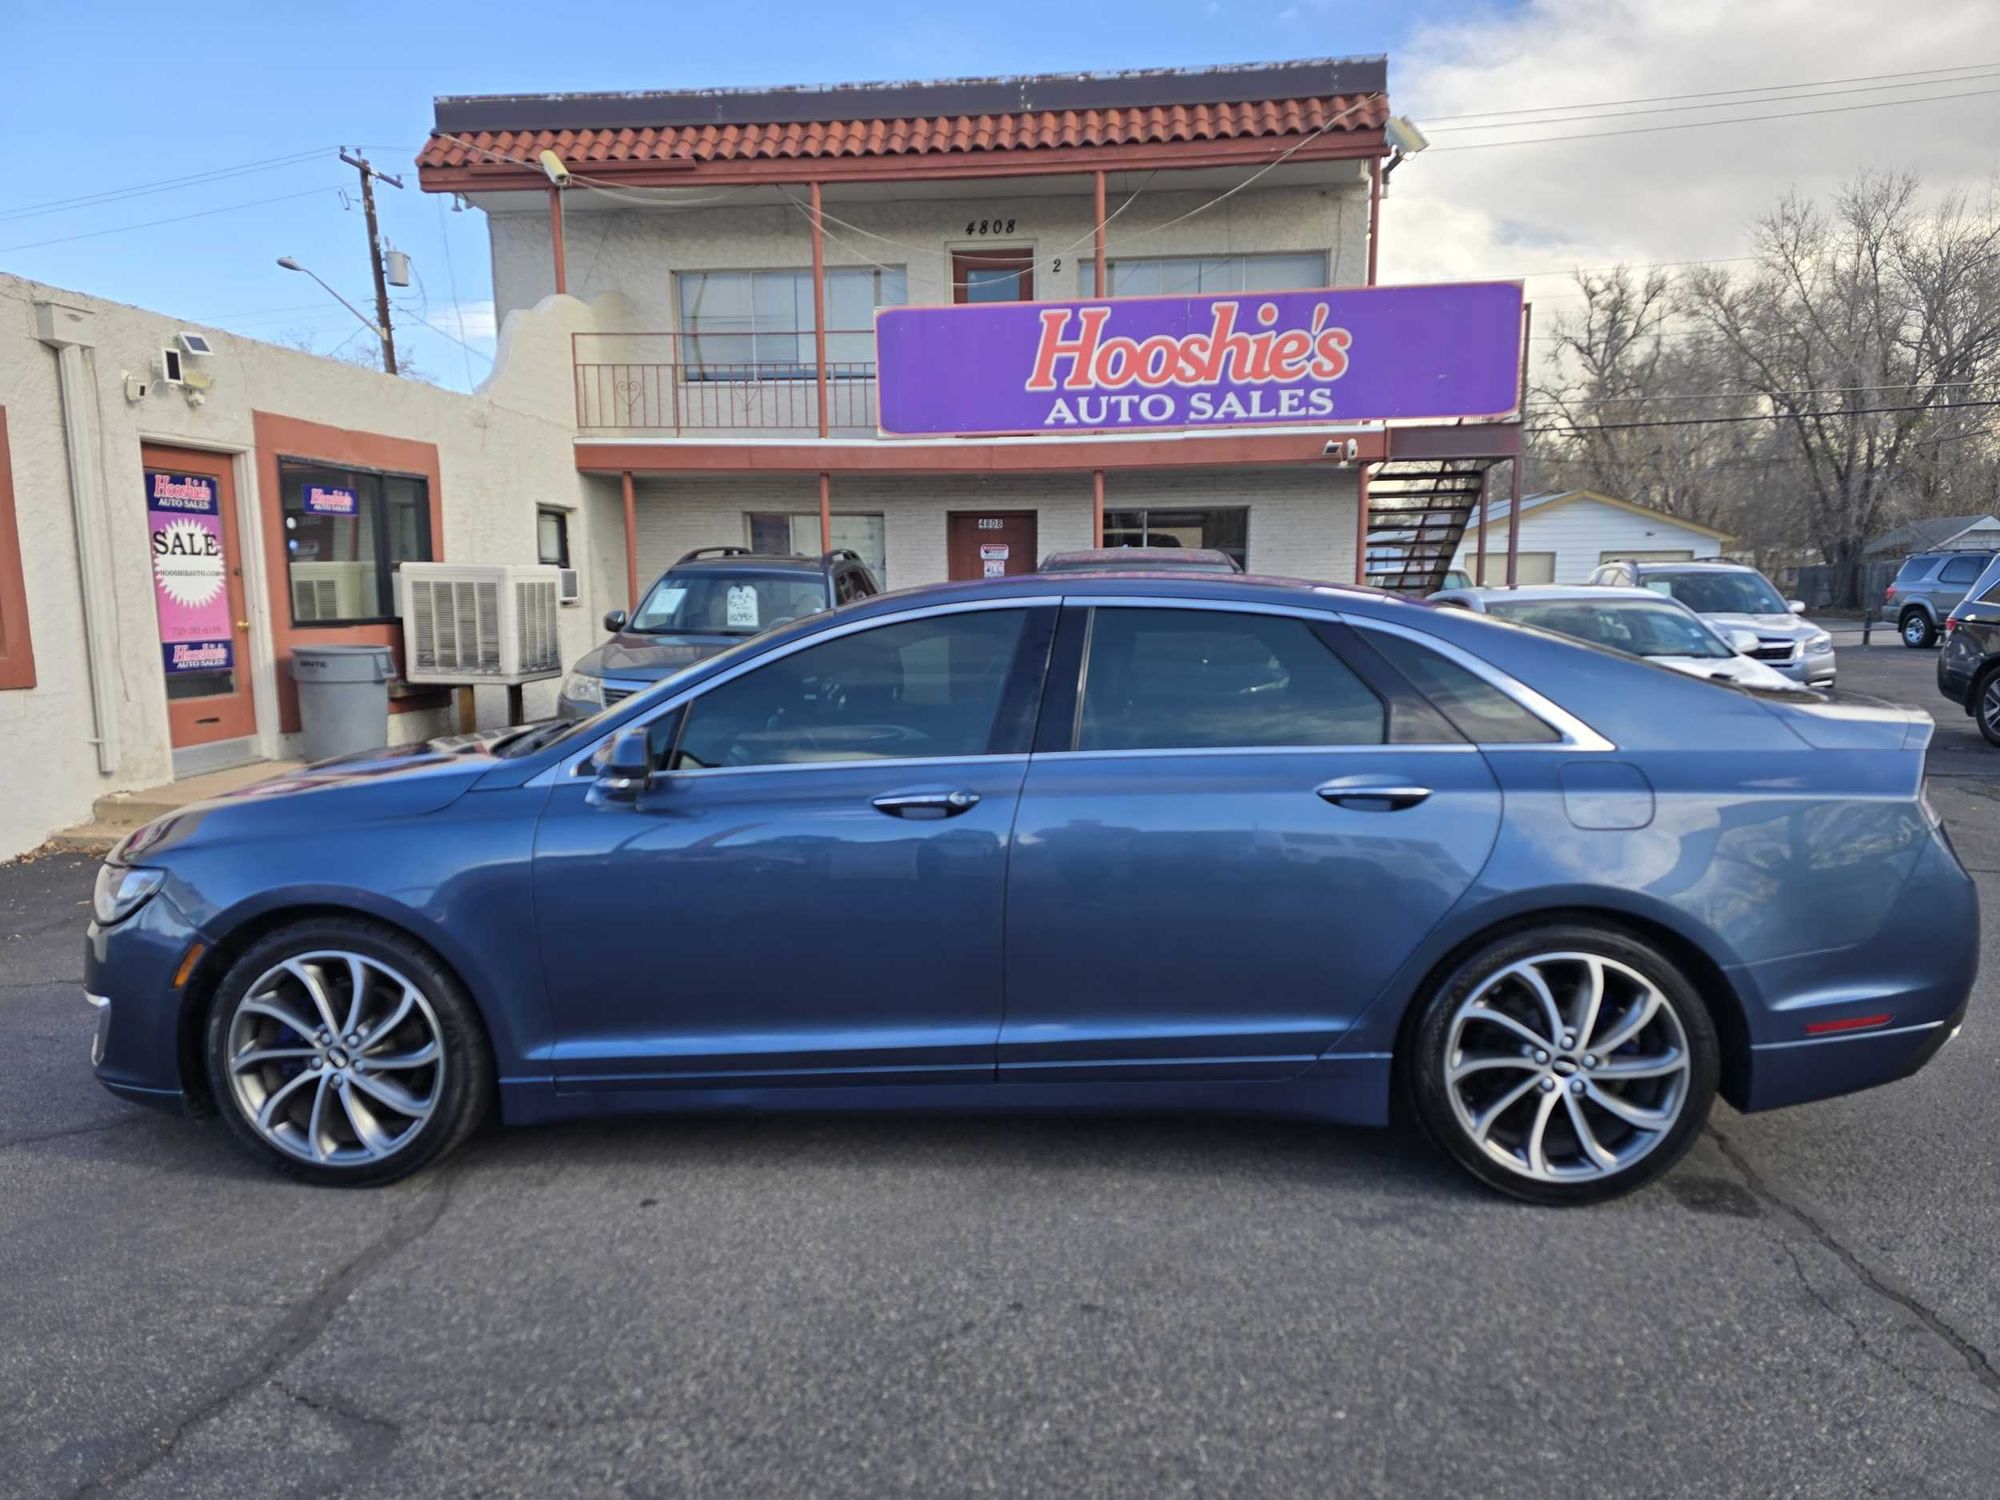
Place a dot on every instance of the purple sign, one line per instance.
(190, 572)
(325, 500)
(1254, 358)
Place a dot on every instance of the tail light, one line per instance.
(1950, 624)
(1889, 595)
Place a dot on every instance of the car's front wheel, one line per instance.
(344, 1054)
(1918, 631)
(1564, 1064)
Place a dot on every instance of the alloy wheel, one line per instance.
(335, 1058)
(1566, 1067)
(1916, 630)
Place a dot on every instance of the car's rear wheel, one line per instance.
(344, 1054)
(1986, 705)
(1564, 1064)
(1917, 630)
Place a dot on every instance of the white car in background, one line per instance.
(1638, 622)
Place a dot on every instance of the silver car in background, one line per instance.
(1734, 596)
(1638, 622)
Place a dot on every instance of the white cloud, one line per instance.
(1679, 194)
(472, 320)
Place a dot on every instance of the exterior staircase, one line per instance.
(1418, 511)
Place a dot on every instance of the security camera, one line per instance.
(1402, 134)
(1343, 448)
(553, 169)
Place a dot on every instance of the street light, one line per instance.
(373, 327)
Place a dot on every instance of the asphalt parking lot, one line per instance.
(763, 1306)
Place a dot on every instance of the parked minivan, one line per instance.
(1927, 588)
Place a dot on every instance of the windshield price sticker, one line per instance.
(741, 609)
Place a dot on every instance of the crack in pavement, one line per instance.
(8, 1142)
(1975, 1358)
(293, 1335)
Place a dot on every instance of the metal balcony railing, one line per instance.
(713, 385)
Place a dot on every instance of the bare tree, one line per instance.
(1867, 332)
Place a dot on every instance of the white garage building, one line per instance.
(1568, 534)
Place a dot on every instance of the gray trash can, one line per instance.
(343, 698)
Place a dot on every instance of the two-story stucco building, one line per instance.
(735, 247)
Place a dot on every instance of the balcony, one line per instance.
(674, 385)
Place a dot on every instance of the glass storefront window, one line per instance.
(1189, 275)
(1226, 529)
(346, 532)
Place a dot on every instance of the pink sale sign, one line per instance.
(190, 572)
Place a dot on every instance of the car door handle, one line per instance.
(1372, 796)
(940, 804)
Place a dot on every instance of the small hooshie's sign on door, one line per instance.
(190, 572)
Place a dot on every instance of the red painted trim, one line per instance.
(934, 166)
(17, 646)
(1374, 215)
(1066, 455)
(631, 543)
(819, 312)
(556, 237)
(1852, 1023)
(231, 715)
(291, 437)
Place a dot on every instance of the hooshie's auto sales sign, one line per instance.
(1253, 358)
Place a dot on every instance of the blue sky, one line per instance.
(106, 95)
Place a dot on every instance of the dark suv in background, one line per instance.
(1928, 587)
(1968, 668)
(709, 600)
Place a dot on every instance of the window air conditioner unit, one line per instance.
(332, 591)
(571, 590)
(479, 623)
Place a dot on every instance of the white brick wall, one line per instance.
(1301, 520)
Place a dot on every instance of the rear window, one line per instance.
(1477, 709)
(1914, 568)
(1961, 570)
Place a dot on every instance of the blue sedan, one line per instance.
(1125, 842)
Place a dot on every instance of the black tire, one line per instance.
(1918, 631)
(1985, 715)
(462, 1089)
(1431, 1097)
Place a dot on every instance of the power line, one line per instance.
(1796, 114)
(1782, 416)
(140, 190)
(176, 219)
(1825, 390)
(1760, 88)
(1968, 76)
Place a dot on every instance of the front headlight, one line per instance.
(1815, 644)
(583, 688)
(121, 891)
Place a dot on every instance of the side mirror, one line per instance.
(614, 620)
(1743, 642)
(1796, 606)
(626, 768)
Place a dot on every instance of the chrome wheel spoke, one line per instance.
(311, 1094)
(315, 991)
(1538, 1134)
(357, 977)
(1639, 1065)
(393, 1094)
(1593, 999)
(422, 1057)
(1544, 997)
(1488, 1016)
(1634, 1022)
(1466, 1067)
(1638, 1117)
(257, 1057)
(1483, 1126)
(1593, 1149)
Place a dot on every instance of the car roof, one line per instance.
(761, 562)
(1660, 565)
(1531, 591)
(1139, 557)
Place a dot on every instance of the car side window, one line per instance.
(1477, 709)
(931, 687)
(1959, 570)
(1193, 679)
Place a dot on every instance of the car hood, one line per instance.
(1782, 627)
(1740, 670)
(401, 782)
(650, 657)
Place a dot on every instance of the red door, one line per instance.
(990, 543)
(204, 631)
(993, 276)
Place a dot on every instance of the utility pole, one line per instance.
(368, 173)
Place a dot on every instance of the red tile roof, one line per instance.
(929, 136)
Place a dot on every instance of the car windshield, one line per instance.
(719, 603)
(1719, 592)
(1634, 626)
